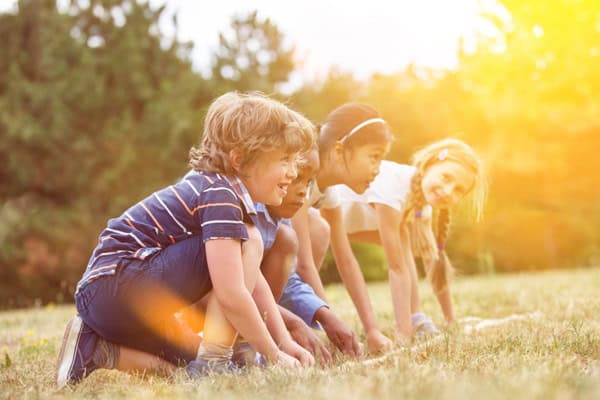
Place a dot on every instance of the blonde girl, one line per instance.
(352, 142)
(397, 212)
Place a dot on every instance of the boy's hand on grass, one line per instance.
(299, 353)
(377, 342)
(309, 340)
(286, 361)
(338, 332)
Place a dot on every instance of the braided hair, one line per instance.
(432, 249)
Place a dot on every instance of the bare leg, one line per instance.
(319, 235)
(193, 316)
(445, 299)
(278, 260)
(396, 286)
(415, 301)
(131, 360)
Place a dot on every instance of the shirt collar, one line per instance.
(242, 192)
(262, 209)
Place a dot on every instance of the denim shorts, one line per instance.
(136, 306)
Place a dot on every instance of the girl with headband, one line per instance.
(352, 142)
(396, 211)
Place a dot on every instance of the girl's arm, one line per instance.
(306, 267)
(397, 248)
(354, 280)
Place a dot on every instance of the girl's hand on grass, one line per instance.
(377, 342)
(402, 340)
(299, 353)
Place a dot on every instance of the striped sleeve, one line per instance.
(220, 214)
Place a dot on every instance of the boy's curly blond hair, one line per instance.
(252, 123)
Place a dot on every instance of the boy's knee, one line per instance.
(319, 235)
(286, 241)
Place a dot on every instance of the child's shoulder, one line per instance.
(208, 182)
(206, 179)
(216, 187)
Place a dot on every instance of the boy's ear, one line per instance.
(236, 156)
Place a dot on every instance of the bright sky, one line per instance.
(355, 35)
(360, 36)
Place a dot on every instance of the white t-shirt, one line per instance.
(390, 187)
(318, 199)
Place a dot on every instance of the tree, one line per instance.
(97, 109)
(536, 82)
(253, 55)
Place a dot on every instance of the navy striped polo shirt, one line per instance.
(207, 205)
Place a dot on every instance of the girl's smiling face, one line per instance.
(445, 183)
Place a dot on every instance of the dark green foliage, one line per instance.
(96, 111)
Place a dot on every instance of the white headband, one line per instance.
(360, 126)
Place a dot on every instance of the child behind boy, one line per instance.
(187, 241)
(301, 307)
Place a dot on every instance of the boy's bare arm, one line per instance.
(227, 275)
(306, 267)
(305, 336)
(270, 310)
(338, 332)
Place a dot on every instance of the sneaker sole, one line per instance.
(66, 357)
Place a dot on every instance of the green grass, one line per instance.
(556, 356)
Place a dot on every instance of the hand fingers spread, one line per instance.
(306, 359)
(356, 347)
(324, 355)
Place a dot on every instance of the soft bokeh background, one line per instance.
(100, 101)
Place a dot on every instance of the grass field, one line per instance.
(555, 355)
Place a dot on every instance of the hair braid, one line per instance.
(442, 268)
(443, 227)
(415, 198)
(422, 239)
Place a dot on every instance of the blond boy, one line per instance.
(191, 240)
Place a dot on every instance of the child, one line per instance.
(396, 212)
(192, 239)
(352, 142)
(302, 308)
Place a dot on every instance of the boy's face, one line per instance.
(267, 178)
(296, 196)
